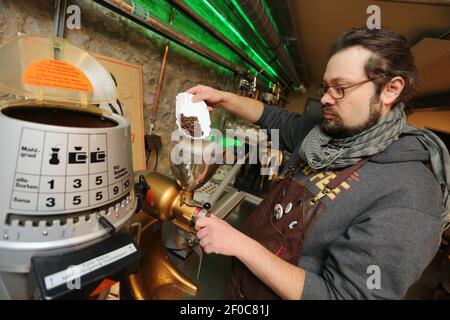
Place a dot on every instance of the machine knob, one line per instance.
(143, 192)
(207, 206)
(141, 187)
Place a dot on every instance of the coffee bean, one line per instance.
(191, 125)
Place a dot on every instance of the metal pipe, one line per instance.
(255, 11)
(59, 18)
(298, 50)
(127, 10)
(222, 38)
(284, 74)
(226, 180)
(284, 78)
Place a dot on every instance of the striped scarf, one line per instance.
(320, 150)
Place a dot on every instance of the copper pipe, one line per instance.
(225, 40)
(159, 85)
(125, 5)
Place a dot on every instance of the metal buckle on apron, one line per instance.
(285, 172)
(239, 291)
(319, 196)
(335, 183)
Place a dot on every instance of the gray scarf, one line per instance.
(320, 150)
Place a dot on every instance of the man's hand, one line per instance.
(211, 96)
(245, 108)
(217, 236)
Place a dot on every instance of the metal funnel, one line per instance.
(193, 162)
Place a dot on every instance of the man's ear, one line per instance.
(392, 90)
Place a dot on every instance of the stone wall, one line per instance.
(106, 33)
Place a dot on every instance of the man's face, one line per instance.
(360, 108)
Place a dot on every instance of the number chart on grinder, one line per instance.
(69, 171)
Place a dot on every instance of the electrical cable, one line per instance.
(156, 159)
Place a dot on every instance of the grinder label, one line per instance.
(65, 171)
(56, 74)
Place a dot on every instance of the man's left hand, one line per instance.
(217, 236)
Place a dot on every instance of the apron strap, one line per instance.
(345, 173)
(341, 176)
(294, 161)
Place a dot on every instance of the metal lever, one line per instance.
(141, 189)
(199, 251)
(106, 224)
(137, 235)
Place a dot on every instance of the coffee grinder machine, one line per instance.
(173, 200)
(66, 197)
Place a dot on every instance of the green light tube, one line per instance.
(262, 63)
(244, 16)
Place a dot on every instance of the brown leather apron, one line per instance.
(283, 234)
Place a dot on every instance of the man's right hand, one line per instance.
(211, 96)
(245, 108)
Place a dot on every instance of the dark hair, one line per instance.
(391, 57)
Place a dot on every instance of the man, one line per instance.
(370, 211)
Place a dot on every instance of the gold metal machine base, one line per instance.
(158, 278)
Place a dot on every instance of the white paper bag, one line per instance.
(185, 106)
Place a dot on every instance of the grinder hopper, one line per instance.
(193, 163)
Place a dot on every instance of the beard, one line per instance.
(336, 128)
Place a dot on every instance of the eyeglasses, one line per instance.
(338, 92)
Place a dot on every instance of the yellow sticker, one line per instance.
(56, 74)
